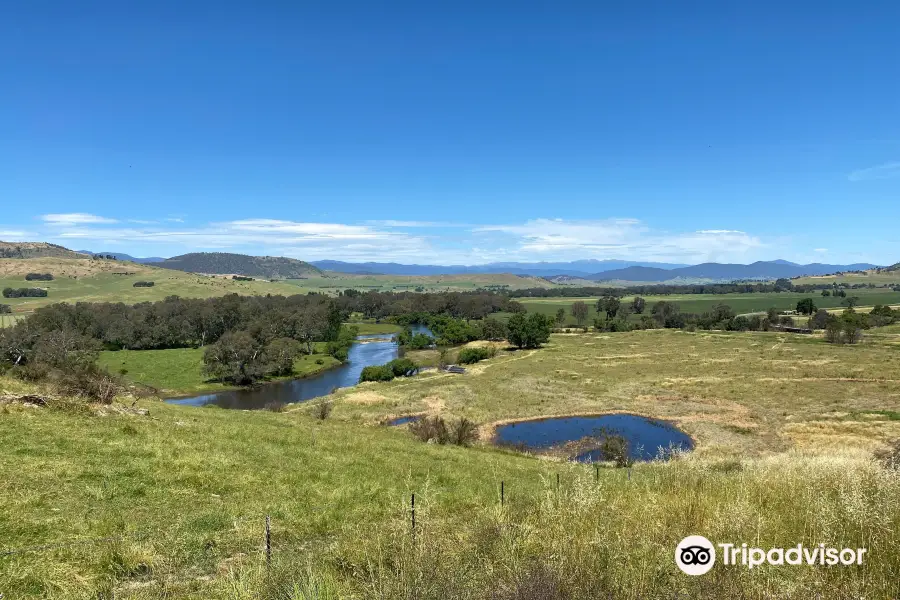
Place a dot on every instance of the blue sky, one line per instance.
(463, 132)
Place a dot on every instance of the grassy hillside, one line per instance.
(78, 280)
(178, 499)
(268, 267)
(36, 250)
(889, 275)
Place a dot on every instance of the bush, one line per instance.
(143, 284)
(614, 447)
(401, 367)
(430, 429)
(241, 278)
(5, 309)
(463, 432)
(468, 356)
(275, 406)
(24, 293)
(38, 277)
(321, 409)
(529, 331)
(376, 373)
(91, 382)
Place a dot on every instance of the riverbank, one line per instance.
(178, 372)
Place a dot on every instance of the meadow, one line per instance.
(866, 277)
(737, 394)
(179, 371)
(336, 282)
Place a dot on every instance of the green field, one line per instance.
(785, 427)
(700, 303)
(179, 371)
(336, 282)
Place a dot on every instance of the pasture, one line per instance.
(737, 394)
(179, 371)
(785, 426)
(335, 282)
(866, 277)
(700, 303)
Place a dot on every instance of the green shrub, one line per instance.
(376, 373)
(468, 356)
(402, 367)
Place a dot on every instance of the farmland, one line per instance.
(785, 429)
(336, 282)
(740, 303)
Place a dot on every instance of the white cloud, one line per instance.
(14, 235)
(820, 250)
(557, 239)
(534, 240)
(885, 171)
(75, 219)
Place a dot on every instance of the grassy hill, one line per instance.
(226, 263)
(332, 282)
(178, 498)
(80, 280)
(37, 250)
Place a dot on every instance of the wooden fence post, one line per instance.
(268, 540)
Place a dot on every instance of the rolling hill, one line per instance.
(727, 272)
(226, 263)
(577, 268)
(122, 256)
(37, 250)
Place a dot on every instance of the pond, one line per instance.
(375, 349)
(404, 420)
(644, 436)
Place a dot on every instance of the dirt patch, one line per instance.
(364, 397)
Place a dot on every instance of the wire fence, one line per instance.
(264, 519)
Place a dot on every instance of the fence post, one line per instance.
(557, 483)
(502, 493)
(596, 472)
(268, 540)
(629, 473)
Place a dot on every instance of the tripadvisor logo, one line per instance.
(696, 555)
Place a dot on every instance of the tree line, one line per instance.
(24, 292)
(781, 285)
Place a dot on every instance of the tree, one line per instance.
(663, 310)
(580, 312)
(826, 293)
(281, 353)
(560, 316)
(608, 304)
(637, 305)
(806, 306)
(529, 331)
(782, 284)
(850, 302)
(235, 358)
(773, 314)
(819, 320)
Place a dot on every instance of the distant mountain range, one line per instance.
(728, 272)
(276, 267)
(607, 270)
(225, 263)
(577, 268)
(121, 256)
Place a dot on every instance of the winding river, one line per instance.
(375, 349)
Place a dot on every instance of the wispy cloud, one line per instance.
(885, 171)
(15, 235)
(75, 219)
(418, 241)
